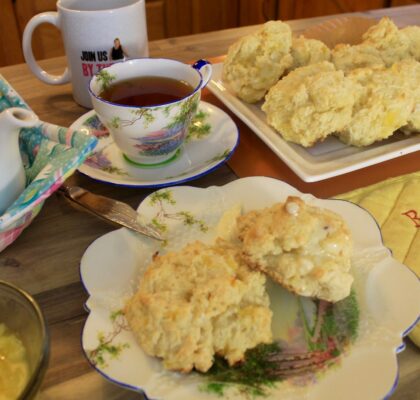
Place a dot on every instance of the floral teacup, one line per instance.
(149, 135)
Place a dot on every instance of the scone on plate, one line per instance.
(257, 61)
(346, 57)
(409, 72)
(308, 51)
(198, 302)
(413, 34)
(304, 248)
(383, 45)
(310, 103)
(392, 43)
(385, 103)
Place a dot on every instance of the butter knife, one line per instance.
(113, 211)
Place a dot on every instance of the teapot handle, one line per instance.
(205, 69)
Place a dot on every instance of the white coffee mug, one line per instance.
(96, 33)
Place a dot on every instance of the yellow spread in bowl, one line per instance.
(14, 366)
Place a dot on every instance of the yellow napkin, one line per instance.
(395, 204)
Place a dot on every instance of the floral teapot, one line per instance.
(12, 173)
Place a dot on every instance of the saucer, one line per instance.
(211, 140)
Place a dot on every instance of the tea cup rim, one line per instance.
(196, 89)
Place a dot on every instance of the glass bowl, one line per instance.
(23, 317)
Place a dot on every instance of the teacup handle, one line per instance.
(50, 18)
(205, 69)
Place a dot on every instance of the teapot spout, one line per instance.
(14, 118)
(11, 121)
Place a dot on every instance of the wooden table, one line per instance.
(45, 258)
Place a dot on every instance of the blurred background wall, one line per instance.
(169, 18)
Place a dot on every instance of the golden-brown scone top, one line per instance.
(409, 72)
(197, 302)
(384, 104)
(391, 42)
(347, 57)
(310, 103)
(308, 51)
(256, 62)
(413, 34)
(383, 44)
(304, 248)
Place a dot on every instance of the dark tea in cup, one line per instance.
(147, 91)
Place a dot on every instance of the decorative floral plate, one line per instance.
(211, 140)
(322, 161)
(359, 337)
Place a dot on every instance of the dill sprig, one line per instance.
(253, 376)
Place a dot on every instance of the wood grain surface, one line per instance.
(45, 259)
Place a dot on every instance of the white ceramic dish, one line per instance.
(212, 138)
(388, 294)
(324, 160)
